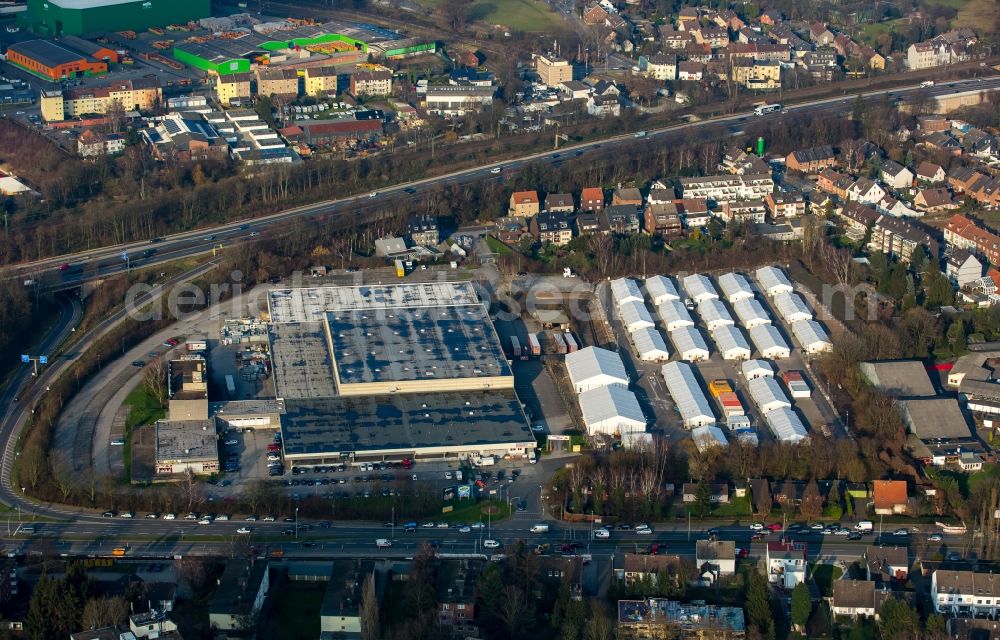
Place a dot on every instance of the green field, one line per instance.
(520, 15)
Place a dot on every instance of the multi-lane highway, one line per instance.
(70, 270)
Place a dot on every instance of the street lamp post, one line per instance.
(296, 523)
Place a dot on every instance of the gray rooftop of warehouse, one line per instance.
(47, 52)
(431, 343)
(186, 440)
(402, 422)
(303, 367)
(905, 378)
(935, 418)
(311, 304)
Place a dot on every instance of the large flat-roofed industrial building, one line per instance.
(392, 371)
(78, 17)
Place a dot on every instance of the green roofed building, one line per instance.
(78, 17)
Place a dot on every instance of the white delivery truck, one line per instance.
(865, 526)
(539, 528)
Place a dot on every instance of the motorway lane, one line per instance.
(195, 242)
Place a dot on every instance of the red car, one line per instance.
(757, 536)
(64, 266)
(774, 527)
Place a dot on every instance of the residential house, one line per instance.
(594, 15)
(785, 204)
(626, 195)
(592, 199)
(688, 18)
(729, 20)
(887, 565)
(559, 202)
(604, 106)
(524, 204)
(811, 160)
(660, 194)
(661, 66)
(511, 229)
(640, 567)
(944, 141)
(152, 624)
(896, 175)
(930, 172)
(857, 218)
(722, 188)
(160, 596)
(973, 629)
(456, 596)
(690, 70)
(371, 82)
(662, 219)
(457, 100)
(760, 52)
(935, 200)
(715, 558)
(936, 52)
(718, 493)
(866, 191)
(846, 47)
(340, 610)
(820, 35)
(92, 144)
(786, 563)
(857, 598)
(834, 182)
(621, 218)
(898, 237)
(670, 38)
(278, 82)
(320, 81)
(820, 58)
(714, 36)
(962, 267)
(240, 595)
(743, 211)
(898, 208)
(550, 572)
(423, 228)
(758, 75)
(771, 18)
(979, 143)
(555, 227)
(747, 35)
(961, 232)
(233, 88)
(693, 211)
(873, 59)
(890, 497)
(933, 123)
(590, 222)
(965, 593)
(575, 90)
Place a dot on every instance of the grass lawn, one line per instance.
(472, 512)
(824, 575)
(498, 247)
(737, 508)
(295, 612)
(145, 410)
(520, 15)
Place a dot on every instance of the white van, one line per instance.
(382, 543)
(539, 528)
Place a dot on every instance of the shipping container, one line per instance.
(719, 386)
(559, 343)
(534, 344)
(230, 386)
(571, 345)
(730, 403)
(515, 347)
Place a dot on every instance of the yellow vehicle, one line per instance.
(119, 551)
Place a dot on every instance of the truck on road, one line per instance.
(865, 526)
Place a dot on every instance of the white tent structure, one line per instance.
(625, 290)
(714, 314)
(731, 344)
(659, 289)
(699, 287)
(753, 369)
(767, 394)
(735, 287)
(792, 307)
(611, 411)
(635, 316)
(786, 425)
(769, 342)
(811, 336)
(674, 315)
(593, 367)
(751, 313)
(690, 344)
(773, 281)
(650, 345)
(708, 437)
(691, 402)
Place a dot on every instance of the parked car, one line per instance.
(756, 527)
(491, 544)
(602, 534)
(935, 538)
(774, 527)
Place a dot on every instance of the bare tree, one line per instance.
(512, 610)
(599, 627)
(369, 609)
(154, 380)
(603, 247)
(104, 612)
(62, 473)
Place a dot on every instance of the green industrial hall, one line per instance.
(82, 17)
